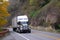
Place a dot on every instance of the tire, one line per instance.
(29, 31)
(14, 29)
(21, 31)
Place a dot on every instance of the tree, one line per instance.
(3, 12)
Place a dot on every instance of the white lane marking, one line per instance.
(22, 36)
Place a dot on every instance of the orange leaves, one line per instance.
(3, 13)
(2, 22)
(3, 9)
(5, 4)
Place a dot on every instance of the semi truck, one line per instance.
(21, 24)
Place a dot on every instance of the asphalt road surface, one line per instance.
(34, 35)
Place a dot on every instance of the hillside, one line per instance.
(41, 12)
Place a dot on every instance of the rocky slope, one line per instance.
(40, 12)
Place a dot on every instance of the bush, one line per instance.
(58, 30)
(3, 13)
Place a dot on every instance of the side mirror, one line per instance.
(18, 23)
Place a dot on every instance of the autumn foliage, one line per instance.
(3, 12)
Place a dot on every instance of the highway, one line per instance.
(34, 35)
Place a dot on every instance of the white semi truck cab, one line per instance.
(21, 24)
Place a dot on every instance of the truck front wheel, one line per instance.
(29, 31)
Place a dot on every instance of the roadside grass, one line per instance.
(58, 31)
(41, 28)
